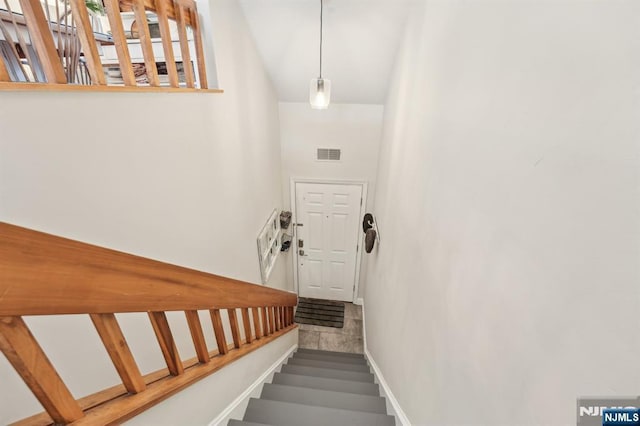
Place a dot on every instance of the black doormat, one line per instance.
(326, 313)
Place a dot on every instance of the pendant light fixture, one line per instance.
(320, 88)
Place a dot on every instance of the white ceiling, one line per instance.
(360, 42)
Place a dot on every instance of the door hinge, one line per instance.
(360, 201)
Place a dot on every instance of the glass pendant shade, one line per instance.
(320, 93)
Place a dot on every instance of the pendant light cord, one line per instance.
(321, 9)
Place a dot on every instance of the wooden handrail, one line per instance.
(42, 274)
(71, 277)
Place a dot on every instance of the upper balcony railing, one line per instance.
(60, 44)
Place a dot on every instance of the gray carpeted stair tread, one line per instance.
(342, 354)
(324, 398)
(330, 358)
(234, 422)
(325, 383)
(290, 414)
(329, 364)
(327, 372)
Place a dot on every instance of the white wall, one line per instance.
(506, 284)
(354, 129)
(184, 178)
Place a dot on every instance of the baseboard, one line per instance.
(398, 412)
(364, 325)
(358, 301)
(224, 415)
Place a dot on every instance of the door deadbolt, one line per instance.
(300, 243)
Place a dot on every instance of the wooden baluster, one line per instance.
(42, 40)
(119, 352)
(281, 312)
(265, 320)
(272, 319)
(184, 44)
(145, 42)
(167, 43)
(195, 327)
(292, 314)
(256, 322)
(272, 328)
(167, 344)
(274, 310)
(88, 42)
(122, 48)
(235, 332)
(197, 39)
(26, 356)
(246, 322)
(4, 73)
(218, 330)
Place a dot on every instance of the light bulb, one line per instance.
(320, 93)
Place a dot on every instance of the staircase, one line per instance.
(319, 388)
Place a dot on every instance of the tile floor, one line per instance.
(346, 339)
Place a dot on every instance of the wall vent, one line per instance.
(328, 154)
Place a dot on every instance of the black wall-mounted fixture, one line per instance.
(370, 228)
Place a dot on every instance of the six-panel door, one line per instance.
(327, 241)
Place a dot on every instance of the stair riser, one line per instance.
(326, 364)
(342, 354)
(330, 358)
(289, 414)
(323, 398)
(324, 383)
(329, 373)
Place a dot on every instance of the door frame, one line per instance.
(294, 219)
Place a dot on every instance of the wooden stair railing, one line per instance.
(41, 274)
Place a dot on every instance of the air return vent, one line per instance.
(328, 154)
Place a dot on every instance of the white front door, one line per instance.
(327, 239)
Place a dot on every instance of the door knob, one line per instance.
(301, 253)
